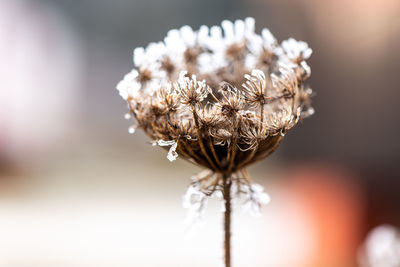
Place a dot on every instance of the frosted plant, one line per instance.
(221, 98)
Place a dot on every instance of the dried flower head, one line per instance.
(220, 97)
(209, 92)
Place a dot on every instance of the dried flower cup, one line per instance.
(222, 98)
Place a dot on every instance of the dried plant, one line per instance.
(222, 98)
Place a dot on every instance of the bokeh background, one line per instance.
(77, 190)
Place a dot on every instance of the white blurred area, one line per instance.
(40, 79)
(122, 218)
(146, 232)
(381, 248)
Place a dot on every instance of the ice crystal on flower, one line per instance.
(129, 86)
(195, 201)
(254, 198)
(172, 155)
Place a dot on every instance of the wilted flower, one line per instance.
(220, 97)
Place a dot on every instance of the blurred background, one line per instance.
(77, 190)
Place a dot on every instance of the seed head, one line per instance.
(220, 97)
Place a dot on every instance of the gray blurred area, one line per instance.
(354, 64)
(77, 190)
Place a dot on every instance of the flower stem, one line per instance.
(227, 182)
(201, 143)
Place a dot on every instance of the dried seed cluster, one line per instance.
(220, 97)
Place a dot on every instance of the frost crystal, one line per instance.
(255, 197)
(172, 155)
(165, 143)
(132, 130)
(195, 201)
(129, 86)
(296, 50)
(127, 116)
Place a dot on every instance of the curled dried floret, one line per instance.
(283, 121)
(253, 134)
(231, 102)
(191, 91)
(286, 83)
(255, 87)
(168, 97)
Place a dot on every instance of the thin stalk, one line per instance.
(201, 143)
(187, 155)
(227, 182)
(262, 115)
(194, 155)
(232, 150)
(214, 153)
